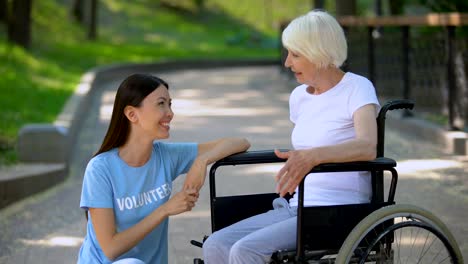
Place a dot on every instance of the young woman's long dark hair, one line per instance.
(131, 92)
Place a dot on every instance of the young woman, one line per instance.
(334, 116)
(127, 187)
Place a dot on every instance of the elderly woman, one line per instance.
(334, 121)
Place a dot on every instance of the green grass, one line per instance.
(36, 83)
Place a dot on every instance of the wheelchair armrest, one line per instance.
(268, 156)
(380, 163)
(251, 157)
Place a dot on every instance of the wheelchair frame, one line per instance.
(361, 219)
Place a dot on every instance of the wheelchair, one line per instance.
(377, 232)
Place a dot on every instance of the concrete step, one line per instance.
(24, 179)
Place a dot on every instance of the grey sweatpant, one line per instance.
(255, 239)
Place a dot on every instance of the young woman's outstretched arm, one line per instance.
(209, 153)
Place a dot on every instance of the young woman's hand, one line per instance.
(180, 202)
(196, 175)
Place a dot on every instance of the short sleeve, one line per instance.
(363, 94)
(181, 156)
(97, 188)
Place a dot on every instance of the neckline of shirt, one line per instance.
(116, 153)
(330, 91)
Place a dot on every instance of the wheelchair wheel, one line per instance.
(400, 234)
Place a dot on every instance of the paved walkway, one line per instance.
(251, 102)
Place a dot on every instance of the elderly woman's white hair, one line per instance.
(317, 36)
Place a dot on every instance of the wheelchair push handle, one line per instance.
(401, 104)
(396, 104)
(389, 106)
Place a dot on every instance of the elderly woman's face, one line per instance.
(304, 70)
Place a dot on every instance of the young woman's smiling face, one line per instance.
(155, 113)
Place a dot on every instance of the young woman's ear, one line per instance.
(130, 113)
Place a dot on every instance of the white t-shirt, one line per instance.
(327, 119)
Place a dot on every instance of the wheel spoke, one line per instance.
(414, 242)
(402, 233)
(423, 252)
(429, 247)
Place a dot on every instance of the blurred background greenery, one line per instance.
(38, 74)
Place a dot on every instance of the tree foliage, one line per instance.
(446, 5)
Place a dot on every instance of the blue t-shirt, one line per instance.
(133, 193)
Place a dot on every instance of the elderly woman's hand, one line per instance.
(297, 166)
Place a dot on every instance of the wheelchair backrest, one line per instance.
(377, 177)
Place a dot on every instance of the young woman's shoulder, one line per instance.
(176, 150)
(101, 160)
(179, 154)
(160, 146)
(168, 146)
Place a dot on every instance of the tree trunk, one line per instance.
(345, 7)
(77, 11)
(396, 7)
(3, 10)
(461, 104)
(92, 33)
(19, 26)
(200, 4)
(464, 86)
(319, 4)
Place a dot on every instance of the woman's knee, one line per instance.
(214, 246)
(211, 242)
(244, 252)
